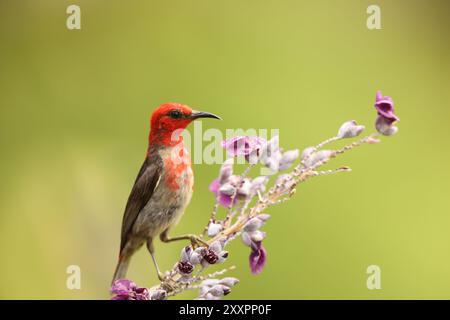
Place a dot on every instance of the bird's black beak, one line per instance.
(200, 114)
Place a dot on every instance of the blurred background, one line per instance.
(74, 109)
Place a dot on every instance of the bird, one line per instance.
(163, 187)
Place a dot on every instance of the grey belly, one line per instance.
(164, 209)
(152, 220)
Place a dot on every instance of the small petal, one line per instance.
(196, 258)
(185, 267)
(185, 253)
(217, 290)
(257, 235)
(215, 186)
(273, 164)
(214, 229)
(123, 287)
(271, 150)
(272, 146)
(257, 259)
(242, 145)
(245, 188)
(211, 257)
(385, 107)
(229, 281)
(127, 290)
(385, 126)
(227, 189)
(158, 294)
(350, 129)
(209, 283)
(245, 237)
(142, 294)
(223, 255)
(253, 224)
(216, 246)
(319, 156)
(210, 296)
(264, 217)
(226, 170)
(288, 158)
(259, 184)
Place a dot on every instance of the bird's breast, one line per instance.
(178, 175)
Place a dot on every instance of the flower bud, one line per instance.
(245, 188)
(216, 246)
(226, 171)
(210, 257)
(227, 189)
(185, 267)
(210, 296)
(195, 258)
(272, 163)
(288, 158)
(385, 126)
(263, 217)
(217, 290)
(319, 156)
(245, 237)
(229, 281)
(257, 236)
(253, 224)
(185, 253)
(158, 294)
(209, 283)
(350, 129)
(272, 146)
(214, 229)
(259, 184)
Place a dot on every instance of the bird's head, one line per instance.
(169, 119)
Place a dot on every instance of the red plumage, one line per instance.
(163, 187)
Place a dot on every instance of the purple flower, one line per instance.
(124, 289)
(243, 146)
(214, 254)
(386, 115)
(185, 267)
(211, 257)
(385, 107)
(213, 289)
(257, 257)
(223, 198)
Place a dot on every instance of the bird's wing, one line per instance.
(143, 189)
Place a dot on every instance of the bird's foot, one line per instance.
(161, 276)
(196, 241)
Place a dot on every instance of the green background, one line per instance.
(74, 109)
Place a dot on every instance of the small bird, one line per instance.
(163, 187)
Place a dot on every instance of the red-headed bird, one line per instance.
(163, 187)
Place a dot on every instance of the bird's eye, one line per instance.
(175, 114)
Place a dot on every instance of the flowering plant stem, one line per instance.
(244, 215)
(299, 174)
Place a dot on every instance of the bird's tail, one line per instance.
(121, 268)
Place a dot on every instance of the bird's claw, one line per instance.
(161, 276)
(196, 242)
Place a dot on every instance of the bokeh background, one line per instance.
(74, 109)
